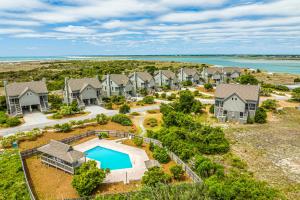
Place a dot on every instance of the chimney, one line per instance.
(160, 77)
(135, 81)
(108, 85)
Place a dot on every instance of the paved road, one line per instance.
(94, 111)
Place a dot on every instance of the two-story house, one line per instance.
(117, 85)
(26, 97)
(218, 75)
(188, 74)
(166, 78)
(86, 91)
(235, 102)
(142, 81)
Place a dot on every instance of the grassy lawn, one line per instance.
(271, 150)
(158, 117)
(12, 181)
(276, 78)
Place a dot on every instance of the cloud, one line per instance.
(14, 31)
(76, 29)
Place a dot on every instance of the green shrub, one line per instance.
(196, 93)
(151, 146)
(66, 110)
(266, 92)
(208, 86)
(135, 114)
(122, 119)
(108, 106)
(57, 116)
(66, 127)
(171, 97)
(154, 177)
(250, 120)
(74, 106)
(138, 141)
(55, 101)
(125, 108)
(118, 100)
(206, 168)
(156, 95)
(187, 83)
(163, 95)
(212, 109)
(269, 104)
(3, 117)
(102, 119)
(102, 135)
(296, 94)
(296, 80)
(161, 155)
(13, 121)
(177, 172)
(247, 79)
(148, 100)
(260, 116)
(87, 178)
(152, 122)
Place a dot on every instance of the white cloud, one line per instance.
(14, 5)
(13, 22)
(75, 29)
(14, 30)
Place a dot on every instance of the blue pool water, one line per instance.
(109, 158)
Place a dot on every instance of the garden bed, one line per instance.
(71, 116)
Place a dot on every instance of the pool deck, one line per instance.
(136, 155)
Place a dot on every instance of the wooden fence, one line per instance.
(34, 151)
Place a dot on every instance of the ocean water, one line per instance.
(270, 65)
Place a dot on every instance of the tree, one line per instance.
(55, 101)
(197, 107)
(206, 168)
(87, 178)
(296, 80)
(138, 141)
(74, 106)
(208, 86)
(102, 119)
(186, 101)
(161, 155)
(247, 79)
(151, 69)
(155, 176)
(260, 116)
(177, 172)
(125, 108)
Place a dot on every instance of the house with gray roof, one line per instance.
(189, 74)
(142, 81)
(235, 102)
(117, 85)
(61, 156)
(86, 91)
(26, 97)
(166, 78)
(219, 74)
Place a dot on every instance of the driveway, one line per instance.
(40, 120)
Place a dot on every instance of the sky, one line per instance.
(147, 27)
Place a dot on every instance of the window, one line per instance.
(251, 106)
(241, 115)
(225, 112)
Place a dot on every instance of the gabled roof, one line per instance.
(167, 73)
(62, 151)
(119, 79)
(246, 92)
(189, 71)
(17, 89)
(212, 70)
(79, 84)
(145, 76)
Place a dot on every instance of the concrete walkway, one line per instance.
(42, 123)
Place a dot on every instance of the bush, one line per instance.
(135, 114)
(187, 83)
(171, 97)
(74, 106)
(177, 172)
(66, 127)
(250, 120)
(208, 86)
(212, 109)
(66, 110)
(118, 100)
(148, 100)
(3, 117)
(196, 93)
(152, 122)
(102, 119)
(269, 104)
(57, 116)
(155, 176)
(156, 95)
(247, 79)
(266, 92)
(122, 119)
(55, 101)
(161, 155)
(108, 106)
(138, 141)
(124, 109)
(151, 146)
(206, 168)
(163, 95)
(13, 121)
(102, 135)
(296, 80)
(260, 116)
(87, 178)
(296, 94)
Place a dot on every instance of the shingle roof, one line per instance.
(169, 74)
(190, 71)
(212, 70)
(246, 92)
(16, 89)
(119, 79)
(62, 151)
(78, 84)
(145, 76)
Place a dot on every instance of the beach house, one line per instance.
(235, 102)
(218, 75)
(86, 91)
(142, 81)
(117, 85)
(166, 78)
(25, 97)
(189, 74)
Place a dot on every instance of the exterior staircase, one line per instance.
(81, 104)
(18, 110)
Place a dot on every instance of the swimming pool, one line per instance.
(109, 158)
